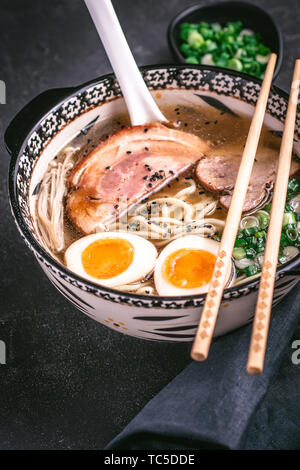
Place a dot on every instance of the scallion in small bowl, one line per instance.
(231, 46)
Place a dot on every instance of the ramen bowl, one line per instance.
(43, 127)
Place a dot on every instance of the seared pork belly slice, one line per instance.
(218, 173)
(129, 166)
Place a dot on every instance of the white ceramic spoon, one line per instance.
(140, 104)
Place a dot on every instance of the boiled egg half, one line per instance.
(185, 266)
(111, 258)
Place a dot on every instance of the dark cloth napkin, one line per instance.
(217, 405)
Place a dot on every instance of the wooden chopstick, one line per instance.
(210, 310)
(265, 294)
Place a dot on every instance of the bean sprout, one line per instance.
(241, 279)
(144, 288)
(50, 202)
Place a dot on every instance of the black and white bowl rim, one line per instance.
(208, 74)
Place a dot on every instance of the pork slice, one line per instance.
(131, 165)
(218, 174)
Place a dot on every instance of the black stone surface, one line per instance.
(69, 382)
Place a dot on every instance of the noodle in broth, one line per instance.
(181, 207)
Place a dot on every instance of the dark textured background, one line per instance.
(70, 382)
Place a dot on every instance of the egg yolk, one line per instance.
(188, 268)
(107, 257)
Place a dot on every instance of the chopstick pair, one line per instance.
(209, 315)
(262, 316)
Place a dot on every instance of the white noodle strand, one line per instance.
(50, 202)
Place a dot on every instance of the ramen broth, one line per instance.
(224, 132)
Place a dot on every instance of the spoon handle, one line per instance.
(140, 104)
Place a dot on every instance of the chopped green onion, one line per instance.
(291, 235)
(284, 241)
(251, 241)
(249, 221)
(259, 259)
(210, 45)
(267, 208)
(263, 50)
(216, 26)
(294, 185)
(186, 50)
(221, 62)
(263, 219)
(239, 253)
(247, 32)
(250, 231)
(294, 204)
(192, 60)
(282, 259)
(262, 234)
(195, 39)
(243, 263)
(251, 270)
(207, 60)
(260, 248)
(231, 46)
(250, 253)
(288, 218)
(288, 208)
(290, 252)
(240, 242)
(238, 54)
(262, 59)
(235, 64)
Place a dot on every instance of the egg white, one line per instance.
(143, 262)
(162, 285)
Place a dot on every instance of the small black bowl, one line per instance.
(252, 17)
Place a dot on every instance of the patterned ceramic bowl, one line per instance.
(51, 119)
